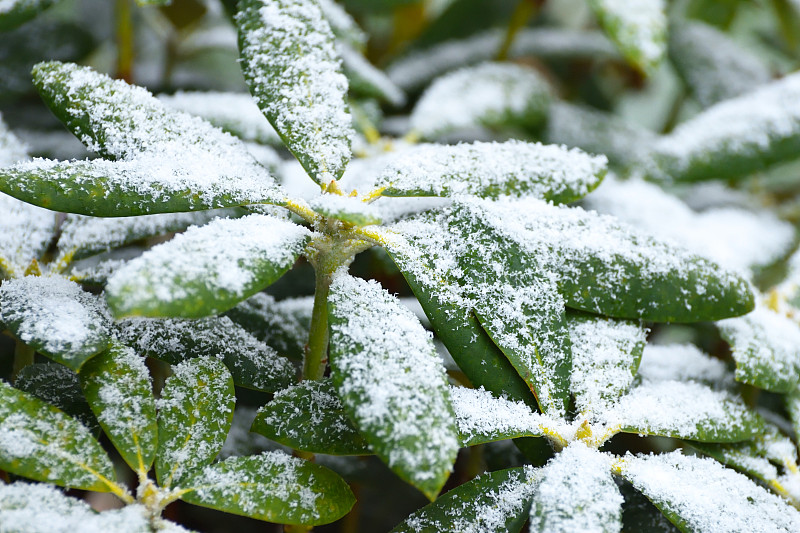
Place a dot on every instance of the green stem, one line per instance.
(316, 354)
(23, 356)
(519, 18)
(124, 20)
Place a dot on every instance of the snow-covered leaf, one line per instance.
(605, 356)
(734, 138)
(60, 387)
(25, 233)
(40, 442)
(577, 493)
(56, 317)
(15, 12)
(713, 65)
(187, 277)
(683, 362)
(118, 387)
(495, 502)
(392, 384)
(766, 347)
(482, 417)
(686, 410)
(252, 363)
(291, 64)
(490, 95)
(272, 486)
(310, 417)
(236, 113)
(512, 168)
(195, 412)
(346, 208)
(282, 325)
(344, 27)
(702, 495)
(366, 80)
(639, 29)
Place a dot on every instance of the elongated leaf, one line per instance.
(496, 502)
(272, 486)
(119, 390)
(482, 417)
(639, 30)
(166, 161)
(605, 358)
(40, 442)
(310, 417)
(702, 495)
(55, 317)
(766, 348)
(194, 414)
(639, 513)
(512, 168)
(366, 80)
(712, 64)
(252, 363)
(186, 277)
(734, 138)
(684, 410)
(391, 382)
(282, 325)
(60, 387)
(25, 233)
(490, 95)
(294, 72)
(576, 492)
(15, 12)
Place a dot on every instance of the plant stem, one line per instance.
(519, 18)
(124, 22)
(23, 356)
(316, 353)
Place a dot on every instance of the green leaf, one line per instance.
(639, 514)
(272, 486)
(186, 277)
(482, 417)
(119, 390)
(702, 495)
(15, 12)
(40, 442)
(25, 233)
(685, 410)
(366, 80)
(391, 382)
(310, 417)
(194, 414)
(496, 502)
(347, 209)
(732, 139)
(166, 161)
(766, 347)
(714, 66)
(639, 31)
(60, 387)
(512, 168)
(792, 401)
(576, 491)
(55, 317)
(457, 101)
(290, 62)
(605, 357)
(252, 363)
(282, 325)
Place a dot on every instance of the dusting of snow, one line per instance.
(283, 325)
(367, 79)
(683, 362)
(26, 232)
(342, 24)
(639, 28)
(481, 417)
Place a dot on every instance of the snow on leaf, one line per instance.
(15, 12)
(367, 80)
(56, 317)
(346, 208)
(577, 493)
(195, 412)
(766, 347)
(513, 168)
(702, 495)
(489, 95)
(344, 27)
(734, 138)
(713, 65)
(272, 486)
(605, 355)
(118, 387)
(495, 502)
(736, 238)
(252, 363)
(639, 29)
(186, 277)
(236, 113)
(40, 442)
(60, 387)
(392, 384)
(291, 64)
(25, 234)
(686, 410)
(683, 362)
